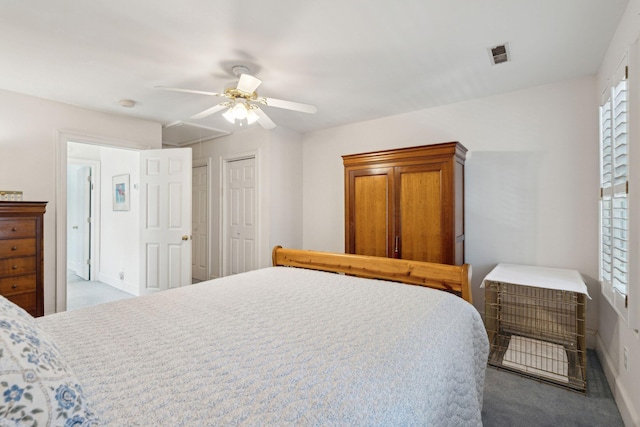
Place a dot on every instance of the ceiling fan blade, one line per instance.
(199, 92)
(290, 105)
(248, 83)
(210, 111)
(264, 120)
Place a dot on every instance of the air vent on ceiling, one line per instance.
(499, 54)
(181, 133)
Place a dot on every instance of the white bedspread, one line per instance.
(280, 346)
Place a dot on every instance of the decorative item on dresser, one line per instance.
(21, 254)
(406, 203)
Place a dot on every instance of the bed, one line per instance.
(277, 346)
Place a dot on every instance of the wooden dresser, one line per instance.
(21, 254)
(406, 203)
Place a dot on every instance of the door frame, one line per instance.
(62, 138)
(199, 163)
(224, 166)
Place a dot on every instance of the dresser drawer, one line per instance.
(17, 247)
(26, 301)
(16, 228)
(17, 266)
(17, 285)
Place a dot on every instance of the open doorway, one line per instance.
(143, 243)
(83, 284)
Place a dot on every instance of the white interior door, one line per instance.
(79, 219)
(200, 245)
(165, 223)
(86, 222)
(241, 216)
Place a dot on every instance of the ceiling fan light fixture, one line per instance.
(240, 111)
(229, 115)
(252, 117)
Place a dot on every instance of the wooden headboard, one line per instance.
(451, 278)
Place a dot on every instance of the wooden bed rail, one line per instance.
(452, 278)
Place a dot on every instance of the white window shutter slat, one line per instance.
(614, 176)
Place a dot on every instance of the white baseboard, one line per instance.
(590, 335)
(75, 267)
(130, 288)
(625, 404)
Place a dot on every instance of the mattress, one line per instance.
(279, 346)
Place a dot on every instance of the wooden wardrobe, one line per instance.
(406, 203)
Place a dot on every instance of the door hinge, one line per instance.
(89, 220)
(626, 301)
(89, 261)
(626, 72)
(89, 178)
(627, 187)
(601, 192)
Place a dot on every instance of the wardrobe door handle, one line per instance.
(396, 252)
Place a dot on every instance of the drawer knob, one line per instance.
(14, 286)
(14, 229)
(14, 248)
(15, 267)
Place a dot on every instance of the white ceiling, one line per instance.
(355, 60)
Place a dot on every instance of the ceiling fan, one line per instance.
(243, 102)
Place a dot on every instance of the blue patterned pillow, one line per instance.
(36, 386)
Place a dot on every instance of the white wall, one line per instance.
(531, 177)
(614, 334)
(285, 186)
(30, 133)
(120, 230)
(278, 154)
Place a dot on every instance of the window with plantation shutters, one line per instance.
(614, 186)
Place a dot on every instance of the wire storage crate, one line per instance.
(537, 332)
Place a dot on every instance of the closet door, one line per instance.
(369, 212)
(422, 212)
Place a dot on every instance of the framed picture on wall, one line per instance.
(120, 192)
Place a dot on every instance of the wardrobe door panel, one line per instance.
(420, 213)
(369, 212)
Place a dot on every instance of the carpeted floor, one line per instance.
(83, 293)
(513, 400)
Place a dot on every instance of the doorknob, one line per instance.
(185, 237)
